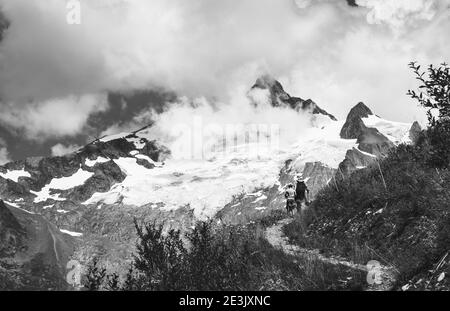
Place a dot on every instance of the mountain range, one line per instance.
(83, 205)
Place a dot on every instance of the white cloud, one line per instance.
(53, 118)
(60, 149)
(198, 127)
(303, 3)
(4, 156)
(192, 47)
(397, 13)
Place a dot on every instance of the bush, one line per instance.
(218, 258)
(434, 90)
(206, 258)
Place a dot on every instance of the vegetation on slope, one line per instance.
(398, 210)
(211, 258)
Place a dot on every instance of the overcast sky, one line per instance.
(56, 79)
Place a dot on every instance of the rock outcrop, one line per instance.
(280, 98)
(317, 176)
(354, 159)
(371, 143)
(104, 174)
(354, 126)
(415, 131)
(11, 232)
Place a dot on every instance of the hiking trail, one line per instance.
(386, 276)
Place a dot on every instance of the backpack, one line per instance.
(290, 194)
(300, 190)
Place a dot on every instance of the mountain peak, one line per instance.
(360, 110)
(354, 125)
(266, 82)
(414, 131)
(279, 97)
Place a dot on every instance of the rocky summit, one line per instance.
(279, 98)
(354, 125)
(83, 205)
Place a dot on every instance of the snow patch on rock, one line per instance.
(321, 144)
(139, 143)
(71, 233)
(205, 186)
(15, 175)
(144, 157)
(63, 183)
(92, 163)
(396, 132)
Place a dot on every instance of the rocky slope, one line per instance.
(374, 138)
(33, 252)
(94, 194)
(279, 98)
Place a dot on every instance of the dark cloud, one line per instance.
(122, 109)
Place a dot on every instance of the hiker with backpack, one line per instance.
(302, 198)
(290, 199)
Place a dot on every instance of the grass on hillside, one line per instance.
(405, 224)
(220, 258)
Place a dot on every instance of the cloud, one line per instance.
(4, 155)
(190, 47)
(369, 63)
(60, 149)
(397, 13)
(193, 129)
(52, 118)
(336, 54)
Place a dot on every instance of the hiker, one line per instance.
(290, 199)
(301, 194)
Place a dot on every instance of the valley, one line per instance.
(94, 194)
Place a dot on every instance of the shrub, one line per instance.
(219, 258)
(434, 90)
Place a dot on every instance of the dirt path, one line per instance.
(386, 276)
